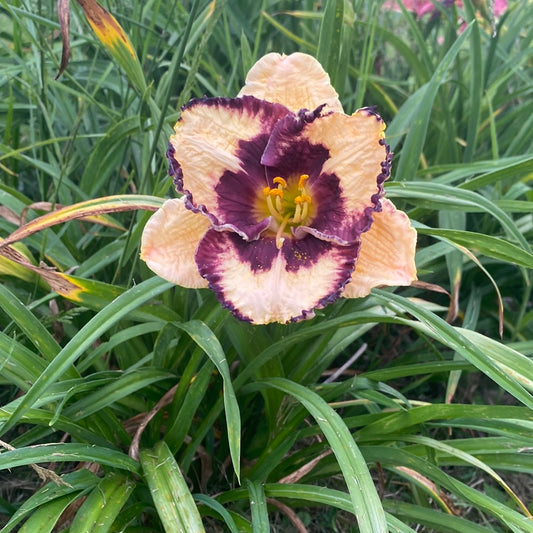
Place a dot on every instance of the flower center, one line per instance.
(288, 205)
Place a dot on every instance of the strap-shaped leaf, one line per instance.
(173, 501)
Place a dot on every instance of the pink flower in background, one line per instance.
(419, 7)
(423, 7)
(500, 6)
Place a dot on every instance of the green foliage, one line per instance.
(156, 409)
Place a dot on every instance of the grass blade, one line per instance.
(103, 504)
(207, 340)
(330, 38)
(173, 500)
(365, 500)
(488, 245)
(258, 506)
(420, 106)
(104, 320)
(444, 332)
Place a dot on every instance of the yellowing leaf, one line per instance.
(106, 27)
(90, 208)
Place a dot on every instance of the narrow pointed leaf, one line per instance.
(365, 500)
(91, 208)
(207, 340)
(172, 498)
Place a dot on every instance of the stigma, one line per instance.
(287, 205)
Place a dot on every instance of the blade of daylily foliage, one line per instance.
(168, 88)
(368, 58)
(469, 458)
(494, 247)
(172, 498)
(365, 500)
(76, 483)
(68, 452)
(106, 395)
(104, 320)
(311, 493)
(473, 258)
(432, 519)
(487, 172)
(87, 292)
(47, 515)
(394, 457)
(422, 481)
(9, 255)
(89, 208)
(283, 29)
(19, 364)
(258, 506)
(457, 415)
(33, 328)
(439, 196)
(206, 339)
(476, 85)
(219, 509)
(103, 220)
(103, 504)
(454, 260)
(514, 363)
(441, 330)
(10, 267)
(96, 295)
(330, 37)
(415, 114)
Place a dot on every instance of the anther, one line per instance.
(280, 181)
(302, 180)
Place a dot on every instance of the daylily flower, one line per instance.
(282, 209)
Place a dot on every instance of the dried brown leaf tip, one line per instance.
(63, 14)
(104, 25)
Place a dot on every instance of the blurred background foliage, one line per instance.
(410, 410)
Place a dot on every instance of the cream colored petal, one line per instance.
(262, 284)
(387, 255)
(208, 142)
(297, 81)
(169, 242)
(358, 155)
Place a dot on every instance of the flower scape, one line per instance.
(283, 207)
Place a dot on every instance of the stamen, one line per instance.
(297, 213)
(276, 192)
(305, 210)
(273, 211)
(302, 180)
(280, 181)
(279, 205)
(287, 210)
(301, 203)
